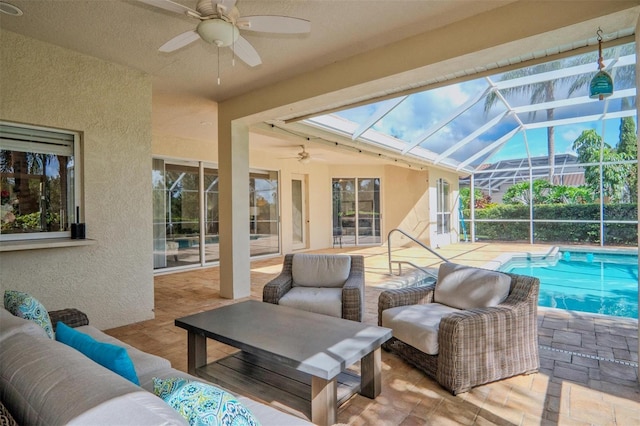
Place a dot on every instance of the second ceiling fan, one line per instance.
(220, 24)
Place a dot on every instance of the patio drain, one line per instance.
(599, 358)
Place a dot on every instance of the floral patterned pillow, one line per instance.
(203, 404)
(25, 306)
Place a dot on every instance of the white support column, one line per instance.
(233, 166)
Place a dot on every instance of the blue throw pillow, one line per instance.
(113, 357)
(203, 404)
(23, 305)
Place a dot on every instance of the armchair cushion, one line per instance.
(327, 301)
(465, 287)
(417, 325)
(312, 270)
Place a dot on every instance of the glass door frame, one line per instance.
(304, 210)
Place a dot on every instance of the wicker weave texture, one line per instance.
(70, 316)
(352, 291)
(476, 346)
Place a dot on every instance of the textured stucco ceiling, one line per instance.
(185, 90)
(129, 33)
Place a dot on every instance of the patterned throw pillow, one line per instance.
(203, 404)
(25, 306)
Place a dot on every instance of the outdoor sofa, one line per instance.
(46, 382)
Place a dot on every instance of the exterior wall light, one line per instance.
(601, 84)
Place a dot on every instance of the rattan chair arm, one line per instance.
(403, 297)
(353, 291)
(486, 344)
(276, 288)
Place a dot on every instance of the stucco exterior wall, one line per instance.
(406, 201)
(175, 147)
(111, 280)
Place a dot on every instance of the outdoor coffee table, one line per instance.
(288, 356)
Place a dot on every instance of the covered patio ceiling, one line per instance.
(473, 122)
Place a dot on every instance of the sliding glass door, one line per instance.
(186, 219)
(356, 211)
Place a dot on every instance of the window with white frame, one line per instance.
(38, 181)
(443, 209)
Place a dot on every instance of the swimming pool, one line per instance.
(603, 283)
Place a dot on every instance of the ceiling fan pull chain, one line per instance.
(233, 48)
(218, 64)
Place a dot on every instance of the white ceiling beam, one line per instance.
(564, 72)
(480, 130)
(581, 100)
(448, 119)
(491, 147)
(585, 119)
(383, 109)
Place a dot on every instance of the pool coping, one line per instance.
(504, 258)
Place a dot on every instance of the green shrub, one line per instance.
(568, 232)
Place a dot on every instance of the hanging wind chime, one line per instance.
(601, 84)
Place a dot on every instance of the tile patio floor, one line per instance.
(588, 373)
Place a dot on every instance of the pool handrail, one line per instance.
(400, 262)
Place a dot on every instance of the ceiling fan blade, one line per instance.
(179, 41)
(274, 24)
(171, 7)
(245, 51)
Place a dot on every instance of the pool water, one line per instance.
(602, 283)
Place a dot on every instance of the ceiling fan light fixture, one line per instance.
(218, 31)
(305, 160)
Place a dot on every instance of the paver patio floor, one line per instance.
(588, 373)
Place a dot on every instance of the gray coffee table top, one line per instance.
(319, 345)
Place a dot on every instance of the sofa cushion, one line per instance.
(417, 325)
(23, 305)
(133, 409)
(465, 287)
(327, 301)
(44, 382)
(203, 404)
(266, 414)
(11, 324)
(144, 363)
(113, 357)
(318, 270)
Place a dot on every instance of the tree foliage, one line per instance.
(592, 149)
(481, 200)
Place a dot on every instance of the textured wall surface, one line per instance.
(110, 105)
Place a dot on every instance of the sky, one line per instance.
(421, 111)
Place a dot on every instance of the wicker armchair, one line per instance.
(352, 292)
(475, 346)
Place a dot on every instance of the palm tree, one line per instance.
(538, 93)
(627, 146)
(545, 91)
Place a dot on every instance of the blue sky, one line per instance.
(421, 111)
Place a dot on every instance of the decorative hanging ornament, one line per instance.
(601, 84)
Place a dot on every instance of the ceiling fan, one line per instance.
(303, 156)
(220, 24)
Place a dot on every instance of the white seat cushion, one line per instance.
(327, 301)
(465, 287)
(319, 270)
(417, 325)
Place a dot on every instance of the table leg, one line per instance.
(196, 351)
(370, 374)
(324, 401)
